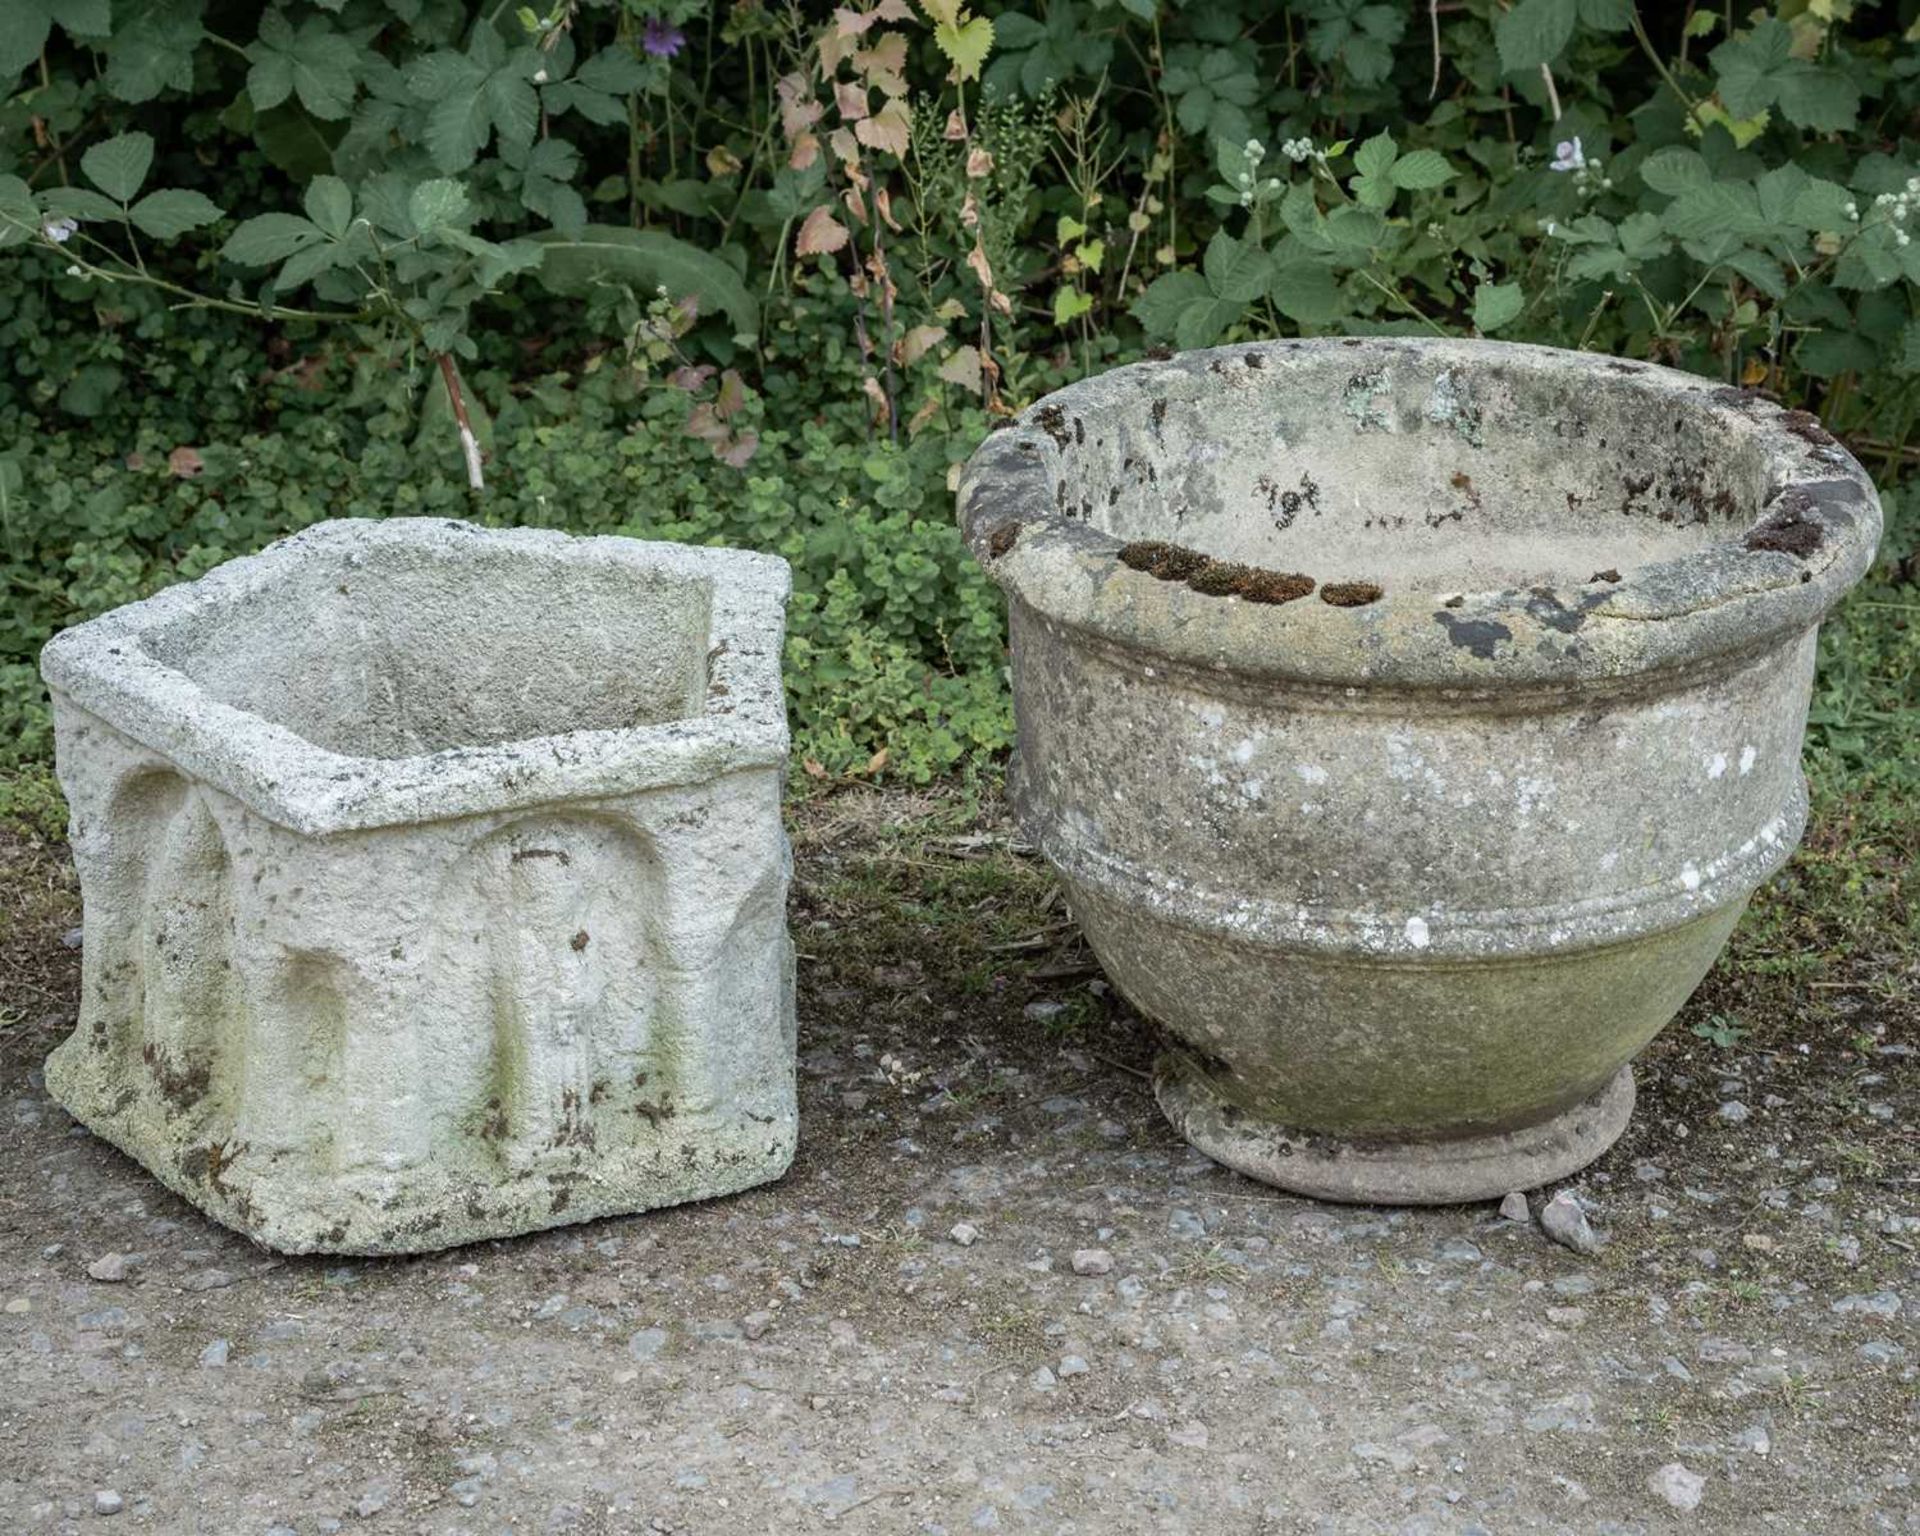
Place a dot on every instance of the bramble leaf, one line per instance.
(316, 63)
(118, 165)
(330, 205)
(1495, 305)
(25, 25)
(1534, 32)
(270, 237)
(168, 214)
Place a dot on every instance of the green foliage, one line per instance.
(763, 274)
(895, 638)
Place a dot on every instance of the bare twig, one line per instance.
(469, 444)
(1433, 18)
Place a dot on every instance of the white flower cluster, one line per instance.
(1299, 151)
(1896, 208)
(1250, 187)
(1569, 156)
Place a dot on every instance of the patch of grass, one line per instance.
(31, 803)
(1210, 1268)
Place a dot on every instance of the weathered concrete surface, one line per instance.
(435, 882)
(820, 1357)
(1411, 722)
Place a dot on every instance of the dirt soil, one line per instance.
(894, 1338)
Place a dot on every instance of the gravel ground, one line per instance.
(995, 1292)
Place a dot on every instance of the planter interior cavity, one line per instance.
(1410, 722)
(393, 660)
(1363, 467)
(434, 882)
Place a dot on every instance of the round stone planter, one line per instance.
(1410, 723)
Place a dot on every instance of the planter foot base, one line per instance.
(1380, 1172)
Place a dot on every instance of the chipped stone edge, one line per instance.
(1713, 605)
(104, 667)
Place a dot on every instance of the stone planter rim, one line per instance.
(104, 666)
(1697, 609)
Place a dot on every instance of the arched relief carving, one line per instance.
(115, 870)
(298, 1098)
(175, 1000)
(545, 969)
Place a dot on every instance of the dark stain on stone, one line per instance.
(1053, 422)
(1806, 426)
(1350, 594)
(1689, 490)
(1159, 354)
(1003, 538)
(1479, 636)
(1290, 503)
(1255, 360)
(1462, 482)
(1787, 532)
(1545, 605)
(655, 1114)
(573, 1129)
(1079, 431)
(541, 853)
(181, 1086)
(1609, 574)
(1159, 415)
(1454, 602)
(579, 941)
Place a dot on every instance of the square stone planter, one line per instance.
(434, 882)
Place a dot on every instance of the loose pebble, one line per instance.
(965, 1233)
(1562, 1220)
(1092, 1261)
(1514, 1207)
(1682, 1489)
(109, 1268)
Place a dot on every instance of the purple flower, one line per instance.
(661, 40)
(1568, 156)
